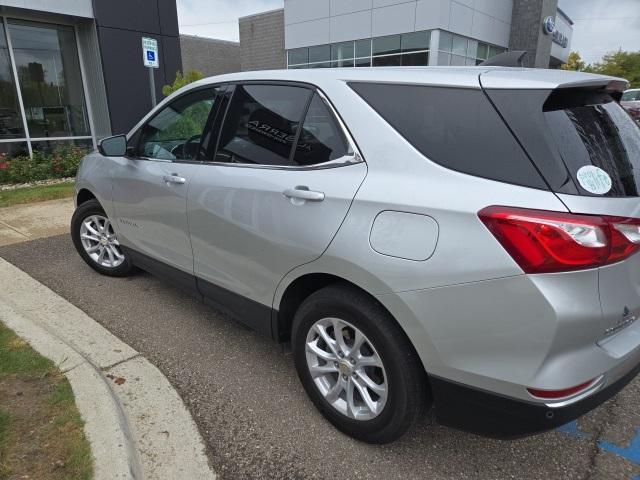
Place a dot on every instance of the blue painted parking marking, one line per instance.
(630, 453)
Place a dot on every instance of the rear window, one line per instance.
(454, 127)
(590, 128)
(631, 96)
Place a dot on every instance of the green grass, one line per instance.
(62, 429)
(38, 193)
(16, 357)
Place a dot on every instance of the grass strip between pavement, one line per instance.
(38, 193)
(41, 431)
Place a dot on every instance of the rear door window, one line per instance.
(455, 127)
(261, 124)
(598, 132)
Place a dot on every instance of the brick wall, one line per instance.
(527, 33)
(208, 55)
(262, 41)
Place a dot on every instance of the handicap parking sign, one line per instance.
(150, 52)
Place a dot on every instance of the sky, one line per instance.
(600, 26)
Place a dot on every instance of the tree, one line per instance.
(619, 64)
(182, 80)
(574, 62)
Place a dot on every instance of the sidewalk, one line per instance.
(20, 223)
(136, 422)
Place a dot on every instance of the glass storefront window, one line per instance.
(48, 67)
(342, 51)
(298, 56)
(415, 59)
(459, 46)
(50, 146)
(386, 45)
(416, 41)
(321, 53)
(363, 48)
(11, 125)
(387, 61)
(13, 149)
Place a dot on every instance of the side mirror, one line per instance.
(113, 146)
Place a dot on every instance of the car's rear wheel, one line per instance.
(357, 365)
(96, 241)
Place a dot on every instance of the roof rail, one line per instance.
(506, 59)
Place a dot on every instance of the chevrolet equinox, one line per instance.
(462, 239)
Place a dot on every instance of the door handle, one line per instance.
(303, 193)
(174, 178)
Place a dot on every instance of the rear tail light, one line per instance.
(564, 393)
(545, 242)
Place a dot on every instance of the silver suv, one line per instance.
(462, 238)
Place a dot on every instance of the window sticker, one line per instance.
(594, 180)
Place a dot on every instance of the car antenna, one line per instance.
(506, 59)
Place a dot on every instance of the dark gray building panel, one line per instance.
(262, 41)
(209, 56)
(527, 33)
(121, 24)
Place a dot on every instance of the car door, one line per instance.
(150, 184)
(283, 176)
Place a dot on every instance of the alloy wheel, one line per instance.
(346, 369)
(100, 242)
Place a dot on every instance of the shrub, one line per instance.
(62, 162)
(182, 80)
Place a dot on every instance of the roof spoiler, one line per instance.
(506, 59)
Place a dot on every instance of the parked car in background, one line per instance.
(630, 101)
(464, 238)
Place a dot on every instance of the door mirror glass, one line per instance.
(113, 146)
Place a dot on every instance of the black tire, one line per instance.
(87, 209)
(407, 395)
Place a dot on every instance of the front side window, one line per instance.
(321, 139)
(175, 132)
(261, 124)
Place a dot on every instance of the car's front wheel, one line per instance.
(357, 365)
(96, 241)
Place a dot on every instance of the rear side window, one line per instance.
(592, 129)
(261, 124)
(321, 140)
(456, 128)
(631, 96)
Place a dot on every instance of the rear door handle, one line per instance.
(303, 193)
(174, 178)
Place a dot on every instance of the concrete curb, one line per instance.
(136, 422)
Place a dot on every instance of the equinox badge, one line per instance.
(627, 319)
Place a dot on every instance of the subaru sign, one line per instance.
(150, 52)
(549, 27)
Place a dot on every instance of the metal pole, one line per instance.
(152, 85)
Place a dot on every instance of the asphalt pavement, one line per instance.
(257, 421)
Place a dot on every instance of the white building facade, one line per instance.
(343, 33)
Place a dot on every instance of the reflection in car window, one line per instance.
(174, 133)
(321, 140)
(261, 124)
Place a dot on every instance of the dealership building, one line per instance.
(72, 72)
(362, 33)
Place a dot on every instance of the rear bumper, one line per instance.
(495, 416)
